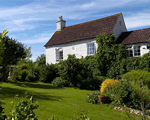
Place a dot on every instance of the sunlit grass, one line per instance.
(62, 103)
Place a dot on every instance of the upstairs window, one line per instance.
(59, 54)
(90, 49)
(137, 51)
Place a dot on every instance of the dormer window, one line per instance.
(59, 54)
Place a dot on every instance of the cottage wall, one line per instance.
(80, 49)
(143, 48)
(119, 27)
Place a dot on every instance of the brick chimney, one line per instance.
(60, 24)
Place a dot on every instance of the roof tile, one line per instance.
(84, 30)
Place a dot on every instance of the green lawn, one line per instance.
(62, 103)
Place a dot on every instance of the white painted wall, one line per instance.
(119, 28)
(80, 50)
(143, 48)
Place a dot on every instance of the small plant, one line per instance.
(92, 98)
(23, 110)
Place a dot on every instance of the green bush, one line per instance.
(23, 110)
(69, 70)
(92, 97)
(128, 93)
(2, 117)
(58, 82)
(138, 75)
(48, 73)
(92, 83)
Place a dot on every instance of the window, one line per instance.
(137, 50)
(129, 51)
(90, 49)
(59, 54)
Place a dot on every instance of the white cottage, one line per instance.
(80, 40)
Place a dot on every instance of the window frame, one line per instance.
(59, 56)
(137, 50)
(89, 48)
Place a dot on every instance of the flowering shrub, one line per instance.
(108, 83)
(92, 98)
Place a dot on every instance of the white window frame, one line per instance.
(59, 54)
(137, 50)
(130, 49)
(90, 48)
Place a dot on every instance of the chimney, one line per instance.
(60, 23)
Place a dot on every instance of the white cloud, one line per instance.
(23, 17)
(38, 38)
(140, 19)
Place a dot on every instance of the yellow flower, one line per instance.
(3, 34)
(107, 83)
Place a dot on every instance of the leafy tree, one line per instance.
(41, 60)
(70, 69)
(13, 52)
(109, 55)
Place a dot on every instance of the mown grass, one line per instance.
(62, 103)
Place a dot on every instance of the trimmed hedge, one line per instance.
(138, 75)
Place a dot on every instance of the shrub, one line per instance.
(127, 93)
(2, 117)
(69, 70)
(23, 110)
(92, 97)
(58, 82)
(137, 76)
(92, 83)
(48, 73)
(107, 83)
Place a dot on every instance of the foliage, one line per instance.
(108, 83)
(2, 45)
(127, 93)
(92, 97)
(58, 82)
(137, 75)
(69, 70)
(13, 52)
(26, 71)
(2, 117)
(109, 55)
(92, 83)
(41, 60)
(48, 72)
(24, 110)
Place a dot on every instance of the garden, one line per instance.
(107, 85)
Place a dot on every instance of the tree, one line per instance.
(13, 52)
(41, 60)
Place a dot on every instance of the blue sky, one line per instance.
(33, 22)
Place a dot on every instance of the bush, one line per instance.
(2, 117)
(108, 83)
(92, 83)
(92, 98)
(23, 110)
(58, 82)
(127, 93)
(138, 75)
(69, 70)
(48, 73)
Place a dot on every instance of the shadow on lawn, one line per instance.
(7, 92)
(35, 85)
